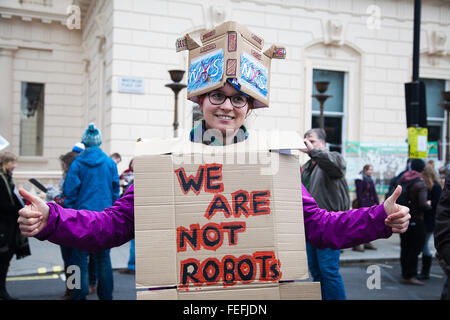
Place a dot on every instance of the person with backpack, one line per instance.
(434, 193)
(415, 197)
(395, 181)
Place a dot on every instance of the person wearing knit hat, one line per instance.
(92, 137)
(417, 165)
(92, 183)
(412, 241)
(78, 147)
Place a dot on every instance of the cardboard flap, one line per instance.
(186, 43)
(232, 26)
(276, 52)
(258, 141)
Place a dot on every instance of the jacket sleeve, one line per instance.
(5, 201)
(359, 188)
(330, 162)
(72, 185)
(442, 226)
(343, 229)
(115, 183)
(422, 197)
(89, 230)
(374, 194)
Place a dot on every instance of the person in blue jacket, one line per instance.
(92, 183)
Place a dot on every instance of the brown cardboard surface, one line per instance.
(283, 291)
(175, 233)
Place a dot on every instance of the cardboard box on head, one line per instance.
(213, 223)
(230, 50)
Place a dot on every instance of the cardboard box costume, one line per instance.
(211, 229)
(230, 50)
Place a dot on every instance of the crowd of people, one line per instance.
(90, 188)
(89, 180)
(85, 225)
(90, 183)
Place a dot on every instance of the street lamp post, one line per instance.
(446, 105)
(176, 86)
(321, 87)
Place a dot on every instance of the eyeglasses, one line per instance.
(217, 98)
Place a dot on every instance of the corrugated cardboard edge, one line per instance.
(257, 141)
(282, 291)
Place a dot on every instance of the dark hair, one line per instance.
(321, 134)
(68, 158)
(116, 155)
(417, 165)
(366, 167)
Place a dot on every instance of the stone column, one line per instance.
(6, 92)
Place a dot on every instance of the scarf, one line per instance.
(197, 135)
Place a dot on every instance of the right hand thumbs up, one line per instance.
(32, 218)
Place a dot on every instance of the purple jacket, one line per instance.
(94, 231)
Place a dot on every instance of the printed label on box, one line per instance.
(253, 75)
(206, 71)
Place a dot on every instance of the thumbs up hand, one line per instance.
(398, 216)
(32, 218)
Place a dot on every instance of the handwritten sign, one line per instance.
(241, 204)
(214, 229)
(253, 74)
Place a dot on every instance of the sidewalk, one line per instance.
(387, 250)
(46, 258)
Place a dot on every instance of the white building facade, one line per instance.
(62, 63)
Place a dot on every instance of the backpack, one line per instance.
(403, 199)
(395, 181)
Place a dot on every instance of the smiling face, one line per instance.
(224, 117)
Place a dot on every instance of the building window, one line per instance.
(435, 113)
(333, 107)
(32, 119)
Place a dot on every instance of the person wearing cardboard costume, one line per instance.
(226, 82)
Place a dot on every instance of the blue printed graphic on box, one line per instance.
(253, 75)
(205, 71)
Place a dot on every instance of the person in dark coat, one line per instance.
(412, 241)
(11, 240)
(442, 233)
(434, 193)
(366, 196)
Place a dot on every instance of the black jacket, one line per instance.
(10, 205)
(442, 226)
(417, 195)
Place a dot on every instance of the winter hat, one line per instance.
(78, 147)
(92, 136)
(417, 165)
